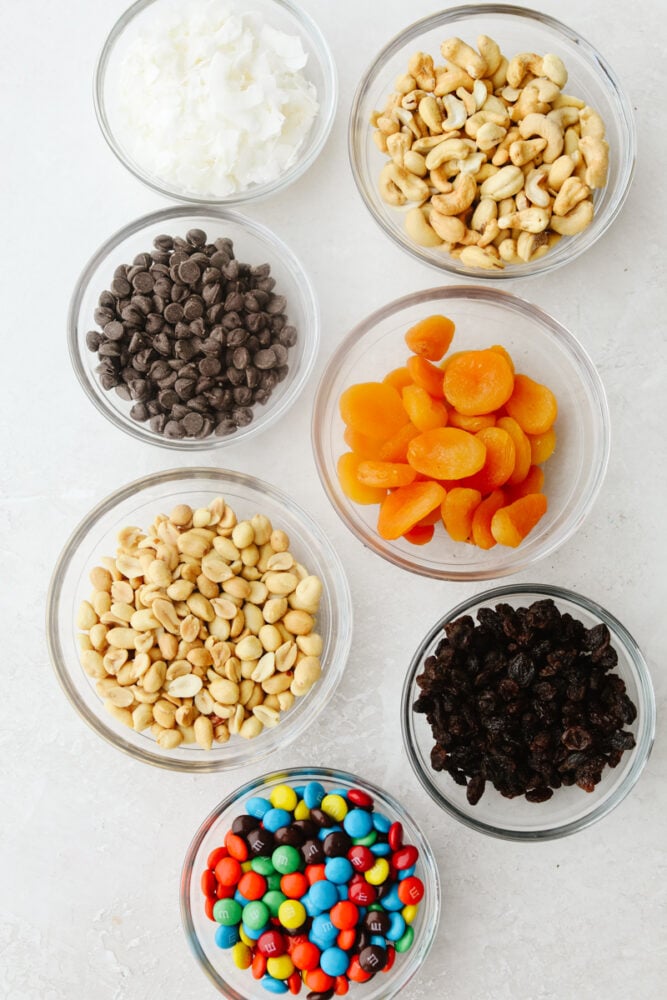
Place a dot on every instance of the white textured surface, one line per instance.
(90, 842)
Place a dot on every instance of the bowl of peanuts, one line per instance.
(492, 141)
(461, 433)
(198, 619)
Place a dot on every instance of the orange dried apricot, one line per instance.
(532, 405)
(362, 444)
(426, 376)
(499, 462)
(398, 378)
(482, 517)
(457, 510)
(447, 453)
(511, 524)
(347, 467)
(421, 534)
(406, 506)
(542, 446)
(385, 475)
(499, 349)
(431, 337)
(478, 382)
(533, 483)
(395, 448)
(472, 424)
(522, 447)
(373, 408)
(424, 411)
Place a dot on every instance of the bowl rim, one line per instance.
(451, 15)
(498, 298)
(295, 774)
(303, 163)
(310, 337)
(341, 600)
(646, 711)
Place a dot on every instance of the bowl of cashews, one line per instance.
(491, 141)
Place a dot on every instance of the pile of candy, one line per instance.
(313, 887)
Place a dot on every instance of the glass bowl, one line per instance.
(283, 15)
(541, 348)
(570, 809)
(516, 30)
(137, 504)
(253, 244)
(237, 984)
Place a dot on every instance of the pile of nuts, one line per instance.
(202, 628)
(499, 161)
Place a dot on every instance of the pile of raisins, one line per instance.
(525, 699)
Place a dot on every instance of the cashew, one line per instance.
(469, 102)
(591, 123)
(430, 113)
(554, 69)
(448, 149)
(535, 187)
(429, 142)
(449, 78)
(530, 246)
(575, 221)
(397, 185)
(507, 251)
(521, 65)
(530, 220)
(568, 101)
(501, 155)
(419, 230)
(547, 90)
(420, 67)
(480, 257)
(564, 117)
(415, 163)
(491, 232)
(571, 193)
(456, 51)
(460, 198)
(480, 94)
(499, 78)
(522, 202)
(489, 135)
(524, 150)
(471, 165)
(560, 170)
(456, 113)
(540, 125)
(486, 210)
(387, 125)
(571, 144)
(438, 179)
(397, 146)
(529, 103)
(596, 157)
(405, 83)
(490, 53)
(448, 227)
(484, 117)
(487, 170)
(504, 184)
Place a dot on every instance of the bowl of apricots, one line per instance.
(461, 433)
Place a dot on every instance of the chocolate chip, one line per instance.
(265, 359)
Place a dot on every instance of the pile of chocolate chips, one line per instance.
(192, 337)
(525, 699)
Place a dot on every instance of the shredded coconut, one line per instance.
(212, 101)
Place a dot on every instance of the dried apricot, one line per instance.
(398, 378)
(532, 405)
(373, 408)
(421, 534)
(472, 424)
(426, 375)
(457, 510)
(522, 447)
(533, 483)
(446, 453)
(482, 517)
(542, 446)
(347, 467)
(499, 462)
(511, 524)
(385, 475)
(424, 411)
(431, 337)
(406, 506)
(362, 444)
(395, 448)
(478, 382)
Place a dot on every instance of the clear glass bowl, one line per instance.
(238, 984)
(137, 504)
(253, 244)
(570, 809)
(283, 15)
(541, 348)
(516, 30)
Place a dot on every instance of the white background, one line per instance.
(91, 842)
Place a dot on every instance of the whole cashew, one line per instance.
(571, 193)
(397, 185)
(419, 229)
(421, 68)
(490, 53)
(507, 182)
(524, 150)
(575, 221)
(553, 68)
(530, 246)
(521, 65)
(456, 51)
(571, 144)
(398, 145)
(529, 103)
(499, 78)
(388, 126)
(502, 155)
(448, 227)
(546, 129)
(507, 251)
(596, 157)
(448, 149)
(380, 140)
(530, 220)
(428, 142)
(449, 78)
(469, 102)
(456, 113)
(489, 135)
(535, 187)
(491, 232)
(405, 83)
(480, 257)
(411, 100)
(591, 123)
(470, 165)
(480, 94)
(560, 170)
(568, 101)
(415, 163)
(547, 90)
(439, 180)
(430, 114)
(460, 198)
(486, 211)
(483, 117)
(564, 117)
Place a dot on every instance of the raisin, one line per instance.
(475, 789)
